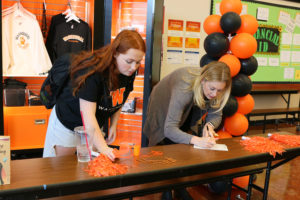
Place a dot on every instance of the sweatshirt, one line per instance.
(23, 48)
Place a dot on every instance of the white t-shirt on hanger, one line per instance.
(23, 48)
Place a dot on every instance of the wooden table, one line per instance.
(50, 177)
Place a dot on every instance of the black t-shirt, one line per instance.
(96, 90)
(67, 37)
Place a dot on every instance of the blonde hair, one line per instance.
(214, 71)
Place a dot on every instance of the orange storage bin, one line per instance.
(26, 126)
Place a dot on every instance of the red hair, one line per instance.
(102, 60)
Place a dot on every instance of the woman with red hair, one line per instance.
(98, 86)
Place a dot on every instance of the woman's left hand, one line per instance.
(111, 135)
(208, 130)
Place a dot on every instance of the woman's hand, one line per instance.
(88, 110)
(113, 127)
(111, 135)
(208, 130)
(205, 142)
(108, 152)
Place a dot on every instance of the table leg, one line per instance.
(250, 187)
(229, 190)
(267, 180)
(265, 119)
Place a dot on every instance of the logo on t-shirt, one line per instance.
(22, 40)
(117, 96)
(73, 38)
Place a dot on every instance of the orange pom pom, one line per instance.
(262, 145)
(233, 63)
(236, 124)
(245, 104)
(243, 45)
(212, 24)
(231, 6)
(249, 24)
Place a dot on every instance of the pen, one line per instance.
(208, 131)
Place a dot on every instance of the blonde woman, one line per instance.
(170, 110)
(173, 97)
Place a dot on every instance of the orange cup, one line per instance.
(136, 150)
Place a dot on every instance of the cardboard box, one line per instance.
(4, 160)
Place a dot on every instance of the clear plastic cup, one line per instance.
(84, 143)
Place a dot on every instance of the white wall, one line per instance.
(191, 10)
(198, 10)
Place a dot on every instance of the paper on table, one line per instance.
(95, 154)
(216, 147)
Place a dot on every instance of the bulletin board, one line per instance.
(278, 41)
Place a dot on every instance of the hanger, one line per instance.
(9, 9)
(18, 12)
(17, 6)
(68, 10)
(45, 6)
(70, 15)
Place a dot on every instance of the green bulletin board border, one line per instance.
(273, 74)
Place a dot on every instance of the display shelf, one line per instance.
(26, 126)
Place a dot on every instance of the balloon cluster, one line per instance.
(230, 40)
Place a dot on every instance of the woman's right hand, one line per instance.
(205, 142)
(108, 152)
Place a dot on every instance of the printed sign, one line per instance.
(268, 39)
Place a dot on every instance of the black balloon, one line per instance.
(241, 85)
(248, 66)
(207, 59)
(230, 22)
(216, 44)
(231, 106)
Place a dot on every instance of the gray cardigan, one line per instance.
(169, 106)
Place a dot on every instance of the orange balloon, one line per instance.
(236, 124)
(242, 181)
(249, 24)
(233, 63)
(212, 24)
(231, 6)
(245, 104)
(243, 45)
(223, 134)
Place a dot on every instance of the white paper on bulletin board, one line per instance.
(175, 27)
(286, 38)
(289, 73)
(191, 57)
(262, 14)
(285, 56)
(295, 56)
(297, 19)
(296, 39)
(174, 56)
(192, 29)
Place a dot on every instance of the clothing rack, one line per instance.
(79, 7)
